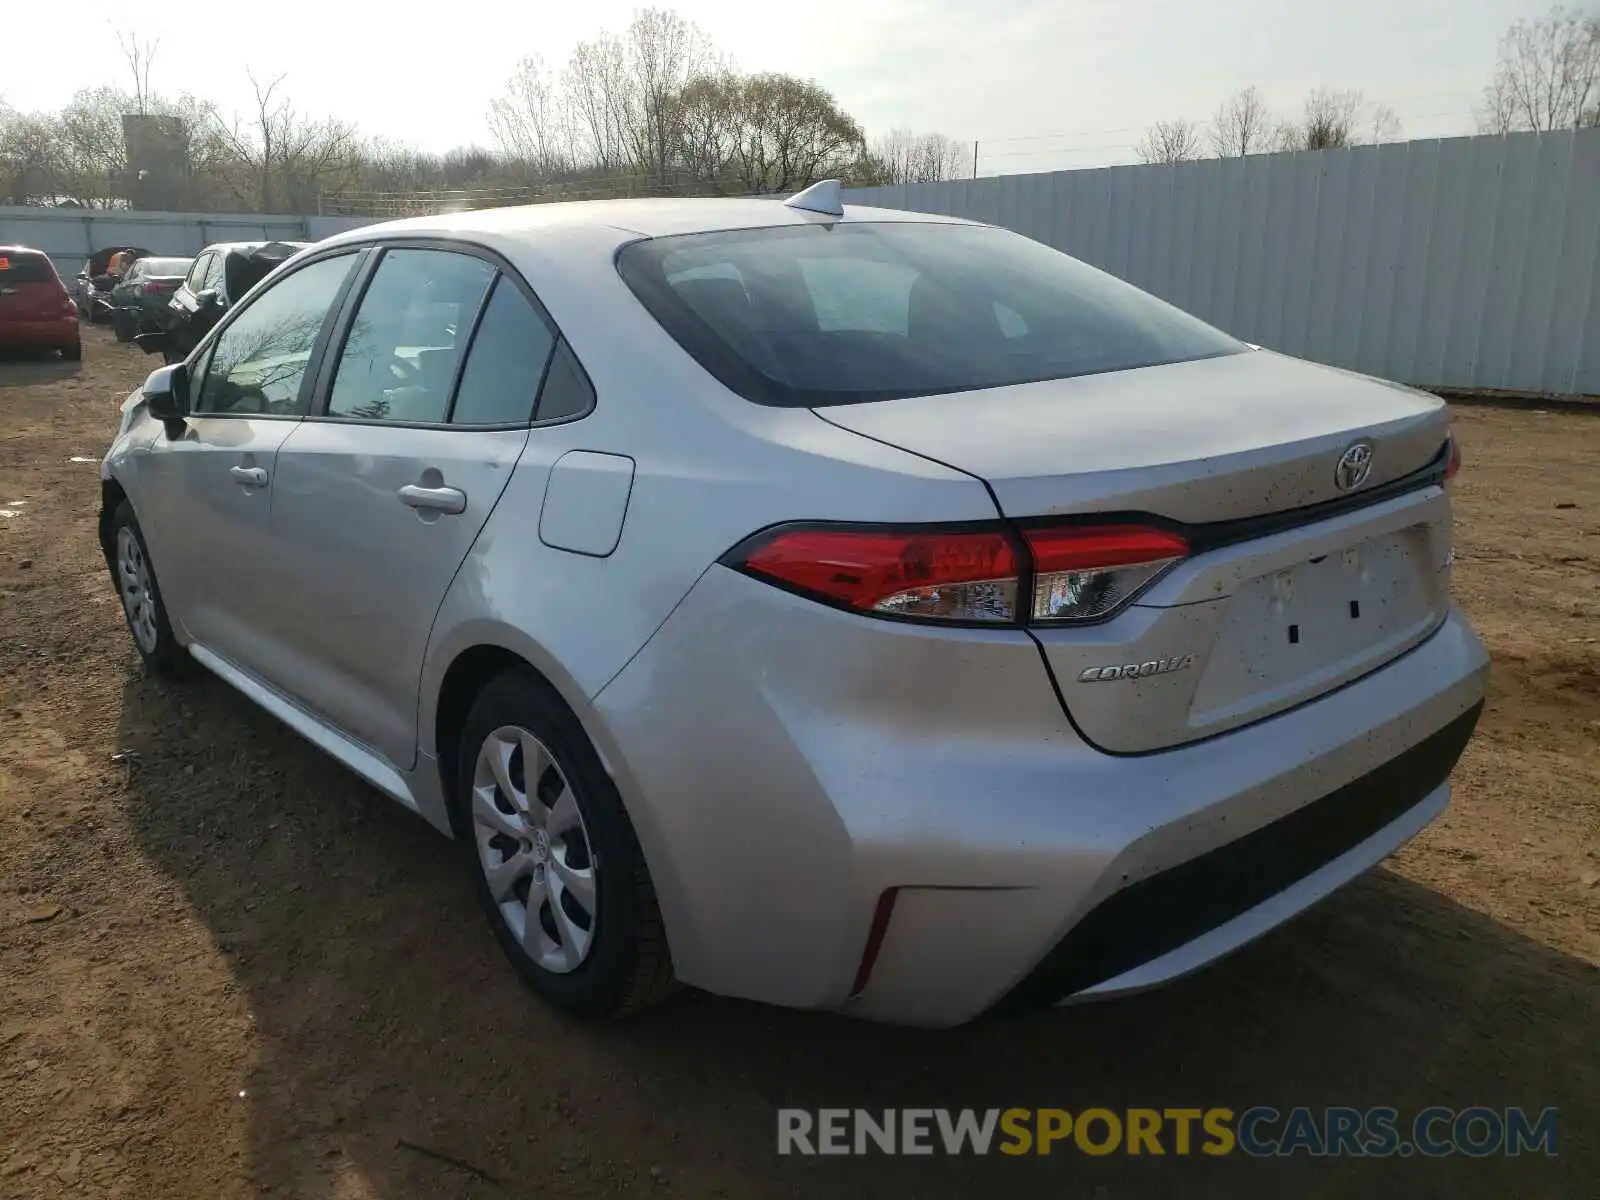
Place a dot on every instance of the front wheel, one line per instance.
(122, 326)
(141, 597)
(560, 872)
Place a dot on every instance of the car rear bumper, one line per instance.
(807, 782)
(56, 332)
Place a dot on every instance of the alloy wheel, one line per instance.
(133, 573)
(534, 849)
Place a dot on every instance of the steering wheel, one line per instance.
(248, 400)
(405, 371)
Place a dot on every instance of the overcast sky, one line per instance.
(1040, 83)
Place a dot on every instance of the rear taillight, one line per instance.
(1088, 572)
(968, 576)
(1453, 464)
(954, 576)
(151, 289)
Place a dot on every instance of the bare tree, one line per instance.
(139, 56)
(528, 120)
(906, 157)
(1170, 142)
(1548, 76)
(595, 88)
(664, 52)
(1383, 125)
(1336, 120)
(1242, 125)
(288, 157)
(32, 166)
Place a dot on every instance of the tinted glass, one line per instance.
(567, 391)
(505, 363)
(260, 358)
(816, 314)
(25, 268)
(407, 337)
(197, 273)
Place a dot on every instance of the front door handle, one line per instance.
(440, 499)
(249, 476)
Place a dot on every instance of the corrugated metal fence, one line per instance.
(70, 235)
(1462, 263)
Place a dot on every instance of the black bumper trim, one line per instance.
(1158, 914)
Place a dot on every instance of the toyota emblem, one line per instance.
(1355, 464)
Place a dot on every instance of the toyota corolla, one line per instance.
(842, 608)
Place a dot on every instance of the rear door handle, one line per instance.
(249, 476)
(441, 499)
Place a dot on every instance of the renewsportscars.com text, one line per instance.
(1259, 1132)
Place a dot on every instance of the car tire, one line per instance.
(73, 352)
(122, 325)
(561, 850)
(142, 607)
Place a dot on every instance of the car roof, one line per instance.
(242, 247)
(21, 250)
(536, 223)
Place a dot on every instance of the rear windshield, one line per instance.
(25, 268)
(165, 266)
(846, 313)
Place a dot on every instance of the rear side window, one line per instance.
(847, 313)
(506, 362)
(25, 268)
(408, 335)
(567, 390)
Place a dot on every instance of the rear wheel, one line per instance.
(560, 872)
(72, 352)
(141, 597)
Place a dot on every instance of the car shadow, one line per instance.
(394, 1044)
(27, 368)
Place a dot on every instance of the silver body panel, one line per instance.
(783, 762)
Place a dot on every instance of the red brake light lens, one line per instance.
(1087, 572)
(961, 576)
(1454, 464)
(1079, 573)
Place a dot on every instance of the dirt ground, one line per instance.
(228, 968)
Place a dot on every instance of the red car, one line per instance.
(36, 313)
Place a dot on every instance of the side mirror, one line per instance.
(166, 393)
(207, 298)
(153, 343)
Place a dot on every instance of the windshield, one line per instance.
(846, 313)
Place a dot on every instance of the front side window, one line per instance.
(260, 359)
(399, 360)
(846, 313)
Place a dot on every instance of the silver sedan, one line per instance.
(841, 608)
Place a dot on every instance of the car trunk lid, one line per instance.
(1295, 584)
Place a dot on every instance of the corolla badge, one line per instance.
(1155, 666)
(1355, 464)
